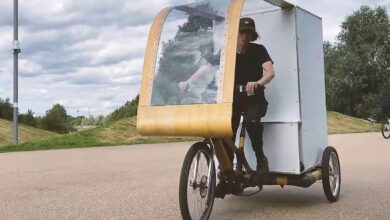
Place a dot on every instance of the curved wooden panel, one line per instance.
(233, 21)
(185, 120)
(151, 56)
(205, 120)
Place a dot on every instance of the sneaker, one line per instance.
(221, 190)
(232, 183)
(236, 188)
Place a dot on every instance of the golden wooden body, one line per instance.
(207, 120)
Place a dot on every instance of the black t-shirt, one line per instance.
(249, 65)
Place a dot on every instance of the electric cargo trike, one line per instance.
(184, 38)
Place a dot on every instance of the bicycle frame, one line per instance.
(210, 143)
(195, 175)
(238, 151)
(304, 180)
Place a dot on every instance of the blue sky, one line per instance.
(88, 55)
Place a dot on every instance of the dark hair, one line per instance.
(255, 36)
(249, 24)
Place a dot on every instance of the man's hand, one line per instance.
(184, 86)
(251, 88)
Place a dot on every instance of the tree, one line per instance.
(28, 119)
(99, 120)
(93, 120)
(6, 110)
(357, 66)
(56, 120)
(77, 120)
(127, 110)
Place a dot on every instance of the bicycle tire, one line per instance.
(385, 128)
(196, 148)
(331, 188)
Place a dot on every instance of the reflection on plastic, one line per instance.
(192, 37)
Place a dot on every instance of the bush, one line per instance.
(57, 120)
(128, 110)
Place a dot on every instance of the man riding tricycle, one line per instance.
(208, 72)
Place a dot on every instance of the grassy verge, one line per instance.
(340, 124)
(26, 133)
(123, 132)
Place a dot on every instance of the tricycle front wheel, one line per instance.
(197, 183)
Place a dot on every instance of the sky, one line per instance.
(88, 55)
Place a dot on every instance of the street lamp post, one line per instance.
(16, 50)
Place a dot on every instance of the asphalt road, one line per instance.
(141, 182)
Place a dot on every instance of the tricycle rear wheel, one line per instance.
(386, 129)
(331, 175)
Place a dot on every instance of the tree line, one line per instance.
(357, 65)
(57, 120)
(357, 76)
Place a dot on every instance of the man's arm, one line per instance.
(269, 74)
(199, 73)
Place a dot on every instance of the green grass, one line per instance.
(340, 124)
(26, 133)
(123, 132)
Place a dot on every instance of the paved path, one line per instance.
(141, 182)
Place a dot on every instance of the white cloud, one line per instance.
(333, 12)
(88, 55)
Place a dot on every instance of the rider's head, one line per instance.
(247, 31)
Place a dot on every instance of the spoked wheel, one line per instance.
(197, 183)
(386, 129)
(331, 175)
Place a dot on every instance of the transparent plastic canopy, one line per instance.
(192, 37)
(188, 75)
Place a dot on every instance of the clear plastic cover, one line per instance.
(188, 59)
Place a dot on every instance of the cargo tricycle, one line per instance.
(186, 37)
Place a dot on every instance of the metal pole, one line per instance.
(16, 50)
